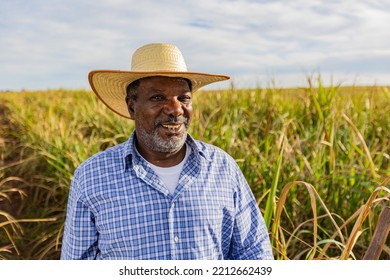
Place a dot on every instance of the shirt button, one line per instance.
(176, 239)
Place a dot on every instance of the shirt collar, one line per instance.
(129, 150)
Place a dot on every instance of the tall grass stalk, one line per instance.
(332, 141)
(364, 211)
(363, 143)
(271, 200)
(313, 194)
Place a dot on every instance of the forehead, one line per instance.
(160, 81)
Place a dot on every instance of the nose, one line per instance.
(173, 107)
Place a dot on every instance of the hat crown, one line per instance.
(158, 57)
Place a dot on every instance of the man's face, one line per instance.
(162, 113)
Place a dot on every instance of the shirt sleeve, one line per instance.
(80, 237)
(250, 239)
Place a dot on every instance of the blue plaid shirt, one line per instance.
(118, 208)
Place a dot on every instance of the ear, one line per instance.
(130, 107)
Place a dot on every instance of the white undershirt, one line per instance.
(170, 175)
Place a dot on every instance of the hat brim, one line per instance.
(110, 85)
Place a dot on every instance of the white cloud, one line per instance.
(53, 43)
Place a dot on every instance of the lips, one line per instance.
(172, 126)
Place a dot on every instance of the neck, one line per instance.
(162, 159)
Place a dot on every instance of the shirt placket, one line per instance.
(190, 174)
(173, 234)
(148, 176)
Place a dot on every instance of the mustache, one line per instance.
(176, 120)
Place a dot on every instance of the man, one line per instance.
(161, 194)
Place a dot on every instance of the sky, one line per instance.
(49, 44)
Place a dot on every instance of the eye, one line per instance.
(157, 98)
(185, 98)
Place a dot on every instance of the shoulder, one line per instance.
(109, 158)
(224, 167)
(215, 154)
(93, 177)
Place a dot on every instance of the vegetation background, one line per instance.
(317, 159)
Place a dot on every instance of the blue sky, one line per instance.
(54, 44)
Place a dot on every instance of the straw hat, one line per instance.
(150, 60)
